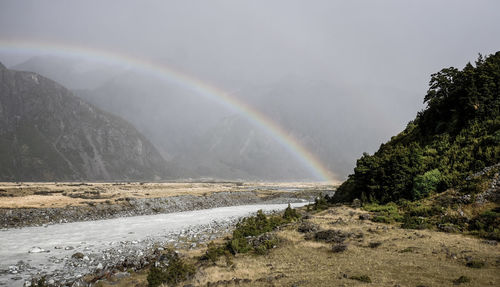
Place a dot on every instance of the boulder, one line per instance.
(78, 255)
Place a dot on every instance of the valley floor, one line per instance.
(63, 194)
(35, 204)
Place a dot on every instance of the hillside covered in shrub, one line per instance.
(454, 137)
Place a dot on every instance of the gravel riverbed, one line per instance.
(68, 253)
(22, 217)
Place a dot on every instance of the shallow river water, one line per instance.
(29, 251)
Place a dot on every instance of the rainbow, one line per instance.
(294, 147)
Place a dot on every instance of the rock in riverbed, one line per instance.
(37, 250)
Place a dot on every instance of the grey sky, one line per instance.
(395, 43)
(380, 53)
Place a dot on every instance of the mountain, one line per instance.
(202, 138)
(172, 117)
(455, 137)
(181, 123)
(47, 133)
(235, 149)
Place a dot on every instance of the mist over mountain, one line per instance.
(203, 139)
(71, 73)
(46, 133)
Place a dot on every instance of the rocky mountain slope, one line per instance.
(234, 148)
(46, 133)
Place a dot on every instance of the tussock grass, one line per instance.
(406, 257)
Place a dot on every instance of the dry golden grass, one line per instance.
(43, 194)
(404, 258)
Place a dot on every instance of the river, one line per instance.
(31, 251)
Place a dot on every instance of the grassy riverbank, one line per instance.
(373, 253)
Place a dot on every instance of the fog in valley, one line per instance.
(338, 77)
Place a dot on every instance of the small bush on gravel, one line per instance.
(39, 283)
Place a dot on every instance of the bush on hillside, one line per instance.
(456, 135)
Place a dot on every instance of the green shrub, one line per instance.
(487, 224)
(423, 210)
(381, 219)
(290, 214)
(414, 222)
(254, 226)
(424, 184)
(271, 243)
(320, 203)
(390, 207)
(156, 277)
(173, 273)
(260, 250)
(386, 213)
(238, 245)
(213, 252)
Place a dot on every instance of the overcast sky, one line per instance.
(396, 43)
(380, 52)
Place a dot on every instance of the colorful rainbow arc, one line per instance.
(202, 88)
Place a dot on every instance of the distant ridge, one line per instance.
(47, 133)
